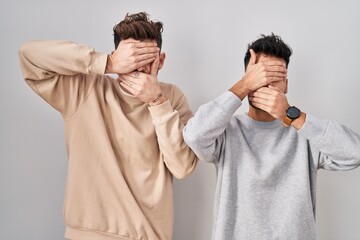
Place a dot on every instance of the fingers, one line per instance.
(271, 80)
(262, 97)
(142, 54)
(147, 44)
(265, 94)
(132, 77)
(143, 47)
(128, 84)
(260, 94)
(132, 54)
(271, 100)
(261, 106)
(128, 87)
(265, 72)
(263, 101)
(275, 63)
(131, 40)
(252, 57)
(272, 77)
(155, 66)
(145, 57)
(275, 68)
(266, 90)
(140, 50)
(274, 72)
(146, 50)
(275, 88)
(142, 63)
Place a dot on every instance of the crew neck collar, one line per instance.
(259, 124)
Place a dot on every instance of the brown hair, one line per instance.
(139, 27)
(271, 45)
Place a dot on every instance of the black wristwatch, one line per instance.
(291, 114)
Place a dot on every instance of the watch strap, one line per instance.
(291, 114)
(287, 121)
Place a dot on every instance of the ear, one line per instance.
(286, 86)
(162, 60)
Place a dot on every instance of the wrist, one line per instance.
(291, 114)
(108, 68)
(299, 122)
(240, 89)
(160, 98)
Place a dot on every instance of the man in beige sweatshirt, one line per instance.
(123, 136)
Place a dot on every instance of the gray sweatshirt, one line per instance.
(266, 173)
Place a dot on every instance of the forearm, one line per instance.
(240, 89)
(45, 59)
(209, 123)
(66, 69)
(178, 157)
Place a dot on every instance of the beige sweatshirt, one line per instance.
(122, 153)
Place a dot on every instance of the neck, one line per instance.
(259, 115)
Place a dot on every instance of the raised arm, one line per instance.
(204, 133)
(63, 72)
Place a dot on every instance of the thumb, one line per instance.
(155, 66)
(253, 57)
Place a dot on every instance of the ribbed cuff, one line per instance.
(314, 129)
(161, 109)
(98, 63)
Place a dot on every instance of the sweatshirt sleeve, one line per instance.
(204, 133)
(61, 72)
(169, 119)
(336, 146)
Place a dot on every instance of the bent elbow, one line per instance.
(191, 138)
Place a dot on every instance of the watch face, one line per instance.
(293, 112)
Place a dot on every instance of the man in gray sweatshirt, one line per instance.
(267, 159)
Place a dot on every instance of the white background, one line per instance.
(205, 42)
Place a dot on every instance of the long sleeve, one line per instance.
(61, 72)
(334, 146)
(169, 119)
(204, 133)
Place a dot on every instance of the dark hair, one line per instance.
(271, 45)
(139, 27)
